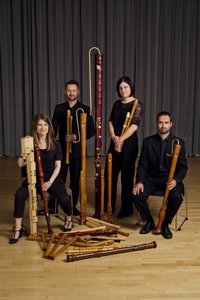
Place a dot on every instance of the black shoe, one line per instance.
(14, 240)
(166, 233)
(123, 214)
(52, 211)
(76, 212)
(68, 225)
(147, 228)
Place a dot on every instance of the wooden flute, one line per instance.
(109, 204)
(75, 257)
(83, 197)
(44, 194)
(102, 213)
(129, 117)
(162, 212)
(69, 131)
(91, 232)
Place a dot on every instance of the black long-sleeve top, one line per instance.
(59, 122)
(154, 163)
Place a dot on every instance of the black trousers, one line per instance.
(74, 169)
(175, 199)
(57, 189)
(123, 162)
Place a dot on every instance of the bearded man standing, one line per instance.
(59, 122)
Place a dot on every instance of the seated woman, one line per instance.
(51, 156)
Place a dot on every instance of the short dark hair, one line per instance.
(129, 82)
(72, 81)
(164, 113)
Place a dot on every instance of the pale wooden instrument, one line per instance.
(27, 150)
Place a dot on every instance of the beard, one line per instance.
(73, 97)
(163, 130)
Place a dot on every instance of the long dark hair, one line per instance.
(50, 138)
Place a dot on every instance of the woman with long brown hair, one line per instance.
(51, 156)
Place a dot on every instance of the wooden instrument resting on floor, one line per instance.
(68, 131)
(27, 150)
(83, 196)
(176, 151)
(75, 257)
(98, 122)
(44, 194)
(109, 196)
(102, 213)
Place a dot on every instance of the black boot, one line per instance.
(166, 233)
(147, 227)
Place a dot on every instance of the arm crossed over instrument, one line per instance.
(128, 132)
(114, 137)
(119, 140)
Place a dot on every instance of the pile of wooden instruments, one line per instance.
(97, 239)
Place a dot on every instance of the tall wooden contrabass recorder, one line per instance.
(176, 148)
(98, 123)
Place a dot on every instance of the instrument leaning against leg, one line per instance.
(44, 194)
(176, 152)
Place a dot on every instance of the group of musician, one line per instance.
(153, 166)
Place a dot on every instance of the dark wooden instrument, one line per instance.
(75, 257)
(98, 121)
(44, 194)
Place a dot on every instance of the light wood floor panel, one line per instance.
(170, 271)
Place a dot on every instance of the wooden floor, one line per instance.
(171, 271)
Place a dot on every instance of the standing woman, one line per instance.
(51, 156)
(124, 148)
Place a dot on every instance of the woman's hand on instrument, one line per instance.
(46, 185)
(172, 184)
(70, 138)
(115, 139)
(139, 187)
(118, 143)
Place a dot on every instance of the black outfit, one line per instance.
(153, 170)
(60, 127)
(57, 188)
(125, 160)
